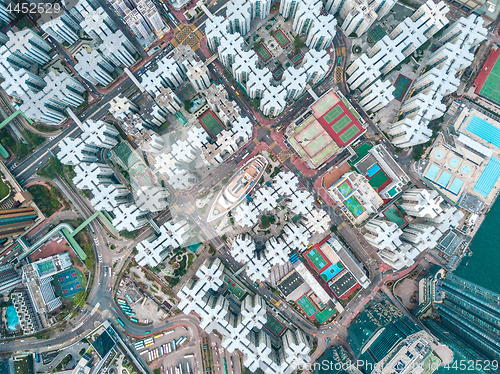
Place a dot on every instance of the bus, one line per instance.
(158, 336)
(120, 322)
(225, 366)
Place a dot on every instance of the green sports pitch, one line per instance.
(318, 261)
(211, 123)
(341, 124)
(273, 325)
(348, 134)
(332, 114)
(307, 306)
(490, 88)
(345, 189)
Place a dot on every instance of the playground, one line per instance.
(281, 38)
(234, 288)
(307, 306)
(68, 283)
(263, 52)
(332, 271)
(325, 315)
(211, 123)
(401, 86)
(274, 326)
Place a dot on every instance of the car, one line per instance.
(110, 289)
(217, 362)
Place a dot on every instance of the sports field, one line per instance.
(263, 53)
(316, 145)
(274, 326)
(125, 154)
(401, 86)
(325, 104)
(354, 206)
(142, 174)
(379, 181)
(350, 133)
(281, 38)
(325, 315)
(491, 87)
(341, 124)
(45, 267)
(278, 73)
(297, 58)
(211, 123)
(345, 188)
(316, 259)
(332, 114)
(307, 306)
(188, 92)
(377, 33)
(68, 283)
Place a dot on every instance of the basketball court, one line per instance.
(211, 123)
(297, 58)
(281, 38)
(142, 174)
(345, 188)
(263, 53)
(274, 326)
(354, 206)
(307, 306)
(317, 259)
(401, 86)
(68, 283)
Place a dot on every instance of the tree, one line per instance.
(80, 298)
(297, 43)
(187, 105)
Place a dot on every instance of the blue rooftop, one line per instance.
(484, 130)
(488, 177)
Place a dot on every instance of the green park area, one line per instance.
(47, 199)
(4, 189)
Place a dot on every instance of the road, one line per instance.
(100, 294)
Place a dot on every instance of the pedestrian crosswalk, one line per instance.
(285, 155)
(273, 145)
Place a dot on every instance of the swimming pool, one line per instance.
(438, 154)
(484, 130)
(373, 170)
(456, 185)
(466, 169)
(432, 172)
(12, 318)
(488, 177)
(332, 271)
(454, 162)
(444, 179)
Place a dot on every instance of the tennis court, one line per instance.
(211, 123)
(309, 133)
(263, 53)
(297, 58)
(188, 92)
(278, 73)
(318, 261)
(345, 188)
(333, 114)
(325, 104)
(273, 325)
(281, 38)
(377, 33)
(491, 87)
(142, 174)
(401, 86)
(341, 124)
(307, 306)
(350, 133)
(354, 206)
(316, 145)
